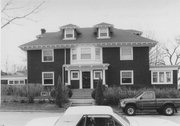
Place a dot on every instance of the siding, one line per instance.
(139, 64)
(36, 66)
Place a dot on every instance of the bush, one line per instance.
(113, 94)
(99, 97)
(61, 94)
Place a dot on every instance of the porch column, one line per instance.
(69, 77)
(104, 76)
(92, 86)
(80, 79)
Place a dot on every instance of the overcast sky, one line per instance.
(159, 18)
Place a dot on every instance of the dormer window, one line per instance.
(103, 33)
(69, 31)
(69, 34)
(103, 30)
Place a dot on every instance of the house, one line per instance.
(83, 55)
(14, 79)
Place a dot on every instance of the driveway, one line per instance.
(21, 118)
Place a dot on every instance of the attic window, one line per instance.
(69, 34)
(103, 33)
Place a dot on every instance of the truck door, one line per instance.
(147, 100)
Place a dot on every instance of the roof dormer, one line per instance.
(103, 30)
(69, 32)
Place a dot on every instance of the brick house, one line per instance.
(82, 55)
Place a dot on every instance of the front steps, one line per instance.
(81, 97)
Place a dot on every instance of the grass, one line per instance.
(31, 107)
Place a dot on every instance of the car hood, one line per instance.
(49, 121)
(142, 121)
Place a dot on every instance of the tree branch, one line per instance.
(24, 16)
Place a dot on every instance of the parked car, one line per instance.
(147, 101)
(96, 116)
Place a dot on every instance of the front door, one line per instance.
(86, 79)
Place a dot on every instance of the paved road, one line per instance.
(21, 118)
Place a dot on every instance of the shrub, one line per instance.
(33, 90)
(61, 95)
(99, 97)
(113, 94)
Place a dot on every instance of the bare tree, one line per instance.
(164, 55)
(173, 54)
(10, 5)
(156, 55)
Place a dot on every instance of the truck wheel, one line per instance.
(130, 110)
(168, 110)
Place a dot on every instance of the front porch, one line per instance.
(85, 76)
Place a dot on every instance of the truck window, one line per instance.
(148, 95)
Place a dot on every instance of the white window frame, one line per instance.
(132, 77)
(100, 31)
(16, 80)
(126, 57)
(93, 59)
(42, 51)
(73, 34)
(43, 79)
(72, 72)
(95, 78)
(165, 77)
(86, 53)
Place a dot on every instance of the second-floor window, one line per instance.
(48, 55)
(85, 53)
(103, 33)
(126, 53)
(69, 34)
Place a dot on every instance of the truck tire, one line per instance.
(130, 110)
(168, 110)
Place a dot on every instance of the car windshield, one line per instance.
(138, 94)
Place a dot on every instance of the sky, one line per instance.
(159, 19)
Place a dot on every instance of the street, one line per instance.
(21, 118)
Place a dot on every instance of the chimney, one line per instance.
(43, 31)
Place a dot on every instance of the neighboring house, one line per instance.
(83, 55)
(14, 79)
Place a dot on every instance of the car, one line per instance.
(95, 116)
(146, 100)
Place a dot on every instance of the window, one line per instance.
(148, 95)
(47, 78)
(74, 54)
(85, 53)
(126, 77)
(155, 77)
(103, 33)
(98, 74)
(16, 82)
(97, 53)
(98, 120)
(126, 53)
(69, 34)
(162, 77)
(48, 55)
(74, 75)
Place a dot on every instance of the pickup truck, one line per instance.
(147, 101)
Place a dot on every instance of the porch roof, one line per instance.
(86, 66)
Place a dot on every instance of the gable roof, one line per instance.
(87, 36)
